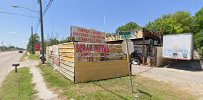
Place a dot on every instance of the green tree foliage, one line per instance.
(198, 41)
(180, 22)
(198, 21)
(165, 25)
(53, 41)
(198, 30)
(128, 27)
(33, 39)
(9, 48)
(68, 39)
(184, 19)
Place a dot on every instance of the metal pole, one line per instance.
(129, 65)
(42, 32)
(16, 69)
(32, 40)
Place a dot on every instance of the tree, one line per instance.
(128, 27)
(197, 28)
(184, 19)
(33, 39)
(165, 25)
(198, 21)
(179, 22)
(198, 41)
(53, 41)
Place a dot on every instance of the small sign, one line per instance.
(130, 46)
(37, 47)
(124, 33)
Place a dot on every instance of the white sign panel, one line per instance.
(130, 46)
(87, 35)
(178, 46)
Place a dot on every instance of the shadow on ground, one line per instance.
(140, 92)
(192, 65)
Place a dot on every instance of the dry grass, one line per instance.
(112, 89)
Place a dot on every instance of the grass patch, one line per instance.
(18, 86)
(22, 58)
(112, 89)
(33, 57)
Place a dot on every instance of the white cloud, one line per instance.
(12, 32)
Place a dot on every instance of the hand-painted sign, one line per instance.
(87, 35)
(97, 52)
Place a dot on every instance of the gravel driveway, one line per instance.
(191, 81)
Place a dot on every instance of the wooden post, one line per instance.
(127, 48)
(143, 46)
(130, 66)
(16, 69)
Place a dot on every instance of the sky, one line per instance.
(15, 30)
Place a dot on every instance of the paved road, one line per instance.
(6, 61)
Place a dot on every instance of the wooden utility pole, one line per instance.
(32, 42)
(143, 46)
(42, 32)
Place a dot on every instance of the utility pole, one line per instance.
(143, 46)
(32, 42)
(42, 32)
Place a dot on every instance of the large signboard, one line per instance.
(87, 35)
(86, 52)
(178, 46)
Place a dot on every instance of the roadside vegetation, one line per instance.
(18, 86)
(113, 89)
(33, 57)
(9, 48)
(29, 56)
(174, 23)
(22, 58)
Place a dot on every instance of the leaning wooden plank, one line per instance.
(66, 45)
(68, 54)
(69, 63)
(65, 74)
(67, 59)
(70, 68)
(66, 50)
(67, 71)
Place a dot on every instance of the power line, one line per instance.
(44, 12)
(47, 7)
(17, 14)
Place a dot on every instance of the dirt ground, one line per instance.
(186, 75)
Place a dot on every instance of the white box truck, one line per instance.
(178, 46)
